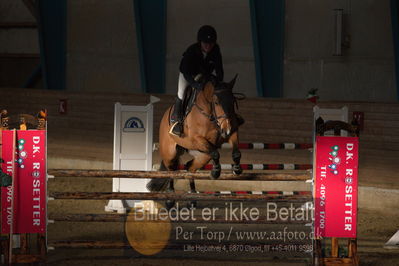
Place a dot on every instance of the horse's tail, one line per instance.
(159, 184)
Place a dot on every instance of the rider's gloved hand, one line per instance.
(197, 85)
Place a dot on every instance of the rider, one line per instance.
(201, 58)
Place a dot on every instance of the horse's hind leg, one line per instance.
(199, 161)
(158, 184)
(236, 154)
(192, 203)
(170, 203)
(170, 154)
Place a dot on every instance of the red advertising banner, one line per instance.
(336, 186)
(29, 214)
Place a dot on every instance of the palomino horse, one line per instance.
(211, 122)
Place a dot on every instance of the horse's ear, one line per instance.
(233, 81)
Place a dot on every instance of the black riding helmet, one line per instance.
(207, 34)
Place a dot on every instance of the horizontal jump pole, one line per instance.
(287, 166)
(186, 196)
(72, 244)
(270, 146)
(27, 258)
(117, 218)
(177, 175)
(265, 146)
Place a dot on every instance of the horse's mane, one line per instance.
(208, 90)
(222, 90)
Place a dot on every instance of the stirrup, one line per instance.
(172, 128)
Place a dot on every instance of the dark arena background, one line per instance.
(76, 58)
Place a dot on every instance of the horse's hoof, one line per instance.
(169, 204)
(192, 204)
(215, 174)
(237, 170)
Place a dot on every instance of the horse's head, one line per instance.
(223, 99)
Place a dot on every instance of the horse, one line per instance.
(210, 123)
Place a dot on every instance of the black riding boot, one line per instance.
(240, 119)
(177, 118)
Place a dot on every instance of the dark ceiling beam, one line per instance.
(150, 19)
(267, 23)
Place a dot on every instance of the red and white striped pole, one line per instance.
(264, 146)
(286, 166)
(271, 146)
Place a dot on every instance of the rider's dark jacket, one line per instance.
(194, 63)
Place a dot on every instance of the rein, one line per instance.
(212, 117)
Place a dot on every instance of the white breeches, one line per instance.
(182, 86)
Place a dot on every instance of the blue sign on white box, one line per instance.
(134, 124)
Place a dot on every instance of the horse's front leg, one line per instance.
(201, 160)
(217, 168)
(236, 154)
(207, 151)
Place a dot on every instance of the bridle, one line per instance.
(213, 117)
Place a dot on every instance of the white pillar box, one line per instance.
(133, 144)
(331, 115)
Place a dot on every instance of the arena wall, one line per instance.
(102, 51)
